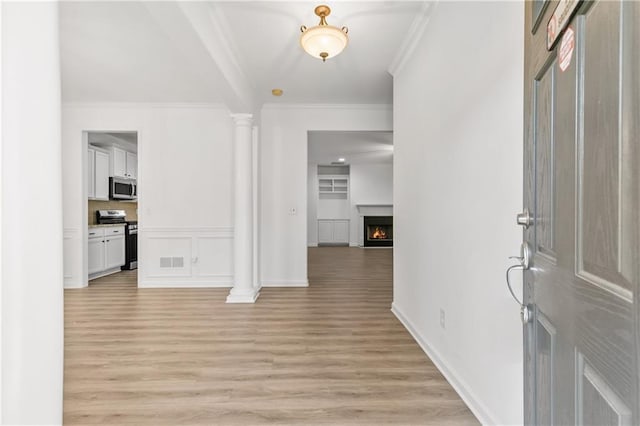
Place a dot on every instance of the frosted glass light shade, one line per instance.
(323, 41)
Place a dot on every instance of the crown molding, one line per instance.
(410, 42)
(212, 28)
(377, 107)
(147, 105)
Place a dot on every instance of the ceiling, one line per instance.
(326, 147)
(117, 52)
(224, 51)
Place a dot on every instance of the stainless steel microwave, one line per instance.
(122, 189)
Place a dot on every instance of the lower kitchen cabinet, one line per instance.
(106, 250)
(114, 251)
(96, 256)
(333, 231)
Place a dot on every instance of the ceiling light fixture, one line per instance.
(323, 41)
(342, 160)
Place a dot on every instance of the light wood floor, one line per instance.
(332, 353)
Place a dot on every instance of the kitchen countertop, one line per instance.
(107, 225)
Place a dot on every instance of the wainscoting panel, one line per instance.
(185, 257)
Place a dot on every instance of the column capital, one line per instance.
(242, 119)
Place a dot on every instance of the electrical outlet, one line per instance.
(442, 323)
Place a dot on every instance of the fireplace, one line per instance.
(378, 231)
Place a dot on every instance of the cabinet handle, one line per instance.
(108, 240)
(102, 241)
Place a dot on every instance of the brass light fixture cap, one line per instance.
(322, 10)
(277, 92)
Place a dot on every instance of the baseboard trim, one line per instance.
(249, 297)
(104, 273)
(70, 283)
(177, 283)
(285, 283)
(459, 385)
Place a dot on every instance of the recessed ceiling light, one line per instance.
(342, 160)
(277, 92)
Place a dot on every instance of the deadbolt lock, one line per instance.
(526, 314)
(524, 219)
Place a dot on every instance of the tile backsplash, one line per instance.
(131, 208)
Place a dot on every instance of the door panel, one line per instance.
(601, 192)
(546, 347)
(582, 185)
(598, 403)
(545, 192)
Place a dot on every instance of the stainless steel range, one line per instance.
(104, 217)
(131, 245)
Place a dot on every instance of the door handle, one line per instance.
(523, 264)
(524, 219)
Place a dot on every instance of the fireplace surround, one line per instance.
(378, 231)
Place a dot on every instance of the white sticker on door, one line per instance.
(567, 46)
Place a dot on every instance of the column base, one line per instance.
(245, 297)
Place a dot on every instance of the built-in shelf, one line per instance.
(333, 187)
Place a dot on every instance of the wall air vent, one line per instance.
(172, 262)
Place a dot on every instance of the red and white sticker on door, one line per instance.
(567, 46)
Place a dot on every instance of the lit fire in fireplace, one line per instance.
(379, 233)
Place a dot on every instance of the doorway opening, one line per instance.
(112, 203)
(349, 194)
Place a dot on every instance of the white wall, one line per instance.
(312, 205)
(370, 184)
(185, 189)
(32, 295)
(457, 187)
(284, 179)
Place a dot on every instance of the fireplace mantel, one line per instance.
(375, 209)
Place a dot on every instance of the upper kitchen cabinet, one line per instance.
(97, 174)
(124, 164)
(122, 149)
(132, 165)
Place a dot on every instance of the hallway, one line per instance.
(332, 353)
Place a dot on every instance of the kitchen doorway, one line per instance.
(112, 203)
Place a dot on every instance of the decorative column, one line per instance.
(243, 290)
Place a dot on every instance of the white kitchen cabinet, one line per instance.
(114, 248)
(132, 165)
(123, 163)
(97, 175)
(106, 250)
(96, 251)
(101, 176)
(118, 162)
(333, 231)
(91, 173)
